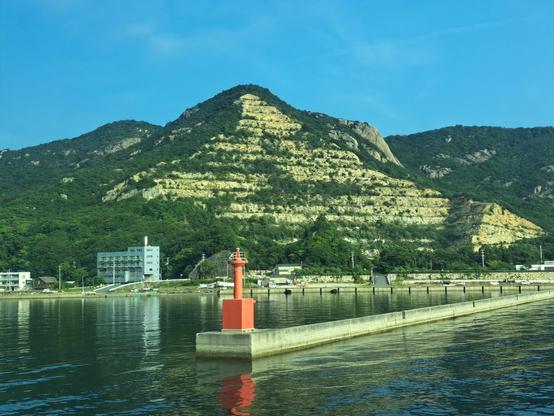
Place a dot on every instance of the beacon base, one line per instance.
(238, 314)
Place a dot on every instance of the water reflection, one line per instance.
(236, 386)
(237, 393)
(119, 320)
(151, 325)
(23, 316)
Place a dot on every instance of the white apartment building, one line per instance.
(137, 264)
(11, 281)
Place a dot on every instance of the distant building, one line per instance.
(45, 282)
(546, 266)
(285, 270)
(11, 281)
(137, 264)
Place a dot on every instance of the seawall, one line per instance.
(533, 276)
(265, 342)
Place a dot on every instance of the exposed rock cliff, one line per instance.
(489, 223)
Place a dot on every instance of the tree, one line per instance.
(322, 247)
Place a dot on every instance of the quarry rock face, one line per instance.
(493, 224)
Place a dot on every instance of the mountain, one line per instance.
(513, 167)
(243, 167)
(36, 166)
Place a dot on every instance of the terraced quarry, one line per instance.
(323, 179)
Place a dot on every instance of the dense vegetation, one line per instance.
(515, 167)
(51, 209)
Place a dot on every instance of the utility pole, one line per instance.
(482, 257)
(60, 277)
(540, 251)
(82, 277)
(165, 269)
(352, 259)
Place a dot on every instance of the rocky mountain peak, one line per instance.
(370, 135)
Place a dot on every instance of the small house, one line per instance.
(45, 282)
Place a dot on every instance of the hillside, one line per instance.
(36, 166)
(243, 167)
(513, 167)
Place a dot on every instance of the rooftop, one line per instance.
(48, 279)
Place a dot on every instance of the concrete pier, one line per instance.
(265, 342)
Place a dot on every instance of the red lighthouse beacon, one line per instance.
(238, 313)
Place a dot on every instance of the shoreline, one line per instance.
(294, 290)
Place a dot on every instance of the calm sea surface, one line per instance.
(135, 356)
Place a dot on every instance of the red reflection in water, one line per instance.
(237, 392)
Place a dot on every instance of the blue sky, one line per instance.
(69, 66)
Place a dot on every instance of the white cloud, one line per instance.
(400, 52)
(232, 37)
(167, 43)
(159, 42)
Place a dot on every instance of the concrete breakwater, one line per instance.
(265, 342)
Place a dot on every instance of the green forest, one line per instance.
(516, 168)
